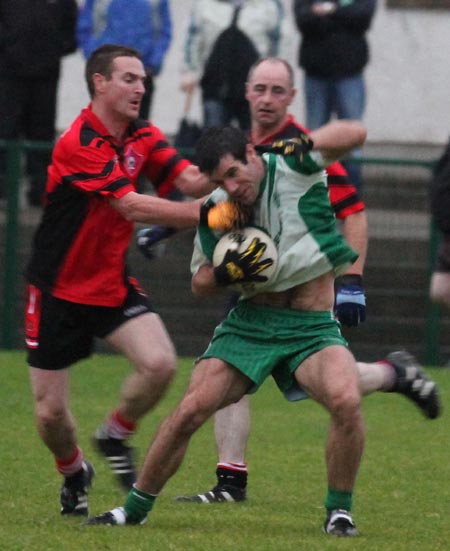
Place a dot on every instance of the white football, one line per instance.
(240, 240)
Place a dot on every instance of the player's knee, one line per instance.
(193, 413)
(345, 405)
(49, 415)
(160, 368)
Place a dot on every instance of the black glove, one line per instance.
(293, 146)
(150, 241)
(350, 301)
(240, 267)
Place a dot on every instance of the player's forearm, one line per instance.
(356, 234)
(154, 210)
(337, 138)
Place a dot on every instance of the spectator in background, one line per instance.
(440, 211)
(224, 38)
(142, 24)
(333, 53)
(34, 36)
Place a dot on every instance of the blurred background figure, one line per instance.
(333, 54)
(440, 212)
(224, 38)
(145, 25)
(34, 36)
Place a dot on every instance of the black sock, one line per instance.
(231, 477)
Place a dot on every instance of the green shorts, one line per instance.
(261, 340)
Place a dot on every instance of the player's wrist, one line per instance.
(348, 279)
(350, 301)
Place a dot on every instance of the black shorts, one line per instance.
(443, 255)
(58, 333)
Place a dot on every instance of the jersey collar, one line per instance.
(94, 122)
(276, 135)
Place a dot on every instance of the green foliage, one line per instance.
(401, 502)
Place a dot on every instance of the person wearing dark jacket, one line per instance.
(34, 36)
(333, 54)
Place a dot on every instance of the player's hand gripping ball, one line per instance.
(225, 216)
(245, 259)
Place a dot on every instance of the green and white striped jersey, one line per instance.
(293, 207)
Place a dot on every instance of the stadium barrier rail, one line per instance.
(14, 150)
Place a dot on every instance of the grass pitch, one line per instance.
(401, 502)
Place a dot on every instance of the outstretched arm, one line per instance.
(154, 210)
(337, 138)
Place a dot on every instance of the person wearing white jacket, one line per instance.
(260, 31)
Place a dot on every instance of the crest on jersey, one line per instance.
(133, 161)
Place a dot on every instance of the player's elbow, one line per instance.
(200, 290)
(126, 206)
(203, 283)
(196, 290)
(360, 133)
(353, 133)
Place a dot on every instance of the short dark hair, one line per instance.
(274, 60)
(101, 61)
(218, 141)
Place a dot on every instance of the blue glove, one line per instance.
(350, 302)
(150, 241)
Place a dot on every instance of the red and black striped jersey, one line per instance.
(343, 194)
(79, 249)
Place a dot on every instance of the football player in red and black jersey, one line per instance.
(79, 287)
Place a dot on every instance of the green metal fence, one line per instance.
(432, 325)
(14, 150)
(11, 277)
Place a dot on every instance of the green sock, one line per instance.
(138, 505)
(336, 499)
